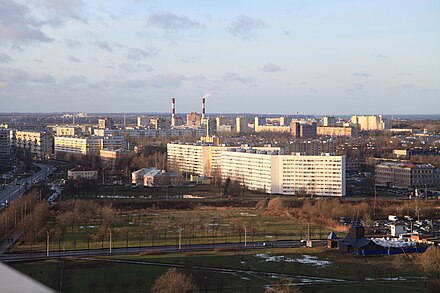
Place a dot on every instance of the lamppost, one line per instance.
(110, 240)
(245, 235)
(180, 237)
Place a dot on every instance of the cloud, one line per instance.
(402, 74)
(244, 26)
(14, 76)
(380, 56)
(172, 80)
(18, 26)
(127, 67)
(139, 54)
(5, 58)
(73, 59)
(58, 12)
(359, 86)
(172, 22)
(234, 77)
(103, 45)
(72, 43)
(362, 74)
(406, 86)
(270, 67)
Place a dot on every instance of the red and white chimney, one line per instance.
(173, 112)
(203, 109)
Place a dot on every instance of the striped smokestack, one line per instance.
(173, 112)
(203, 108)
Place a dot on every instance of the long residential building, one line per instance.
(407, 175)
(38, 143)
(271, 172)
(87, 145)
(336, 131)
(199, 158)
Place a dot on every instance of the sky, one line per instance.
(251, 56)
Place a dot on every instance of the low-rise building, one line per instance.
(82, 173)
(111, 158)
(152, 177)
(406, 175)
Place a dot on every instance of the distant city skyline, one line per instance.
(326, 57)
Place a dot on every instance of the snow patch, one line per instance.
(305, 259)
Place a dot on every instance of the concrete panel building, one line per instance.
(271, 172)
(5, 148)
(39, 144)
(312, 147)
(336, 131)
(68, 131)
(406, 175)
(372, 122)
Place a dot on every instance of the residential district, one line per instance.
(268, 202)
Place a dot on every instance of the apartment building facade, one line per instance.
(271, 172)
(38, 143)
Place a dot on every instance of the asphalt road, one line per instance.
(149, 249)
(14, 190)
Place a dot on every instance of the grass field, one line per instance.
(160, 227)
(105, 275)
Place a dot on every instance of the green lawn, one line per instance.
(208, 225)
(83, 275)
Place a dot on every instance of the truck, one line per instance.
(393, 218)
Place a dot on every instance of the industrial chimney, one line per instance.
(203, 109)
(173, 112)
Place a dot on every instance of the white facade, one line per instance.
(77, 145)
(80, 173)
(373, 122)
(397, 229)
(38, 143)
(199, 158)
(68, 131)
(271, 172)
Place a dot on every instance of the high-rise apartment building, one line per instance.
(271, 172)
(106, 123)
(329, 121)
(38, 143)
(303, 130)
(5, 148)
(373, 122)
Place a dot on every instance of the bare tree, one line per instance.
(172, 282)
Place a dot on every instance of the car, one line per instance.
(267, 244)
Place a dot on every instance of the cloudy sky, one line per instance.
(253, 56)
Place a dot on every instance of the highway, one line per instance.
(149, 249)
(17, 188)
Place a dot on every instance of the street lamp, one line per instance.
(245, 235)
(180, 237)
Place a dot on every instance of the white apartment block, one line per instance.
(40, 144)
(373, 122)
(68, 131)
(274, 173)
(199, 158)
(152, 133)
(87, 145)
